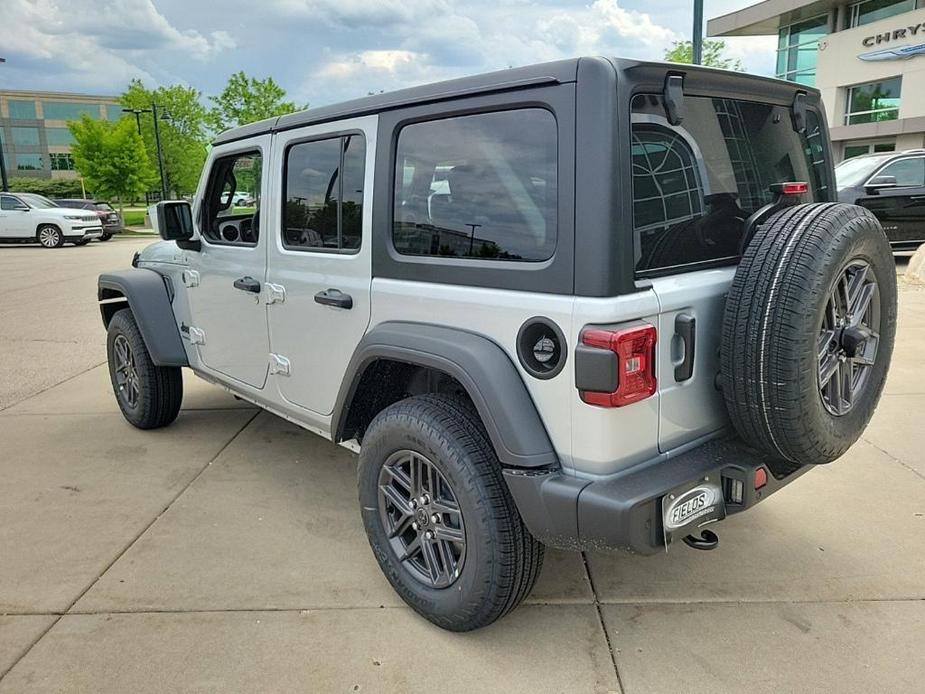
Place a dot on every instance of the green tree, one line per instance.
(183, 130)
(247, 99)
(111, 157)
(713, 50)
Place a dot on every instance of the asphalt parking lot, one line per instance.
(226, 552)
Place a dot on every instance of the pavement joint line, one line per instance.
(104, 414)
(894, 458)
(600, 620)
(54, 385)
(127, 547)
(370, 608)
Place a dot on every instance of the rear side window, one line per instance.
(696, 183)
(480, 186)
(323, 209)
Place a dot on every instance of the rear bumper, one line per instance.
(624, 511)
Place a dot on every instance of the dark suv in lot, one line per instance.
(892, 186)
(112, 222)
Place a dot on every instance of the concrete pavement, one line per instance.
(226, 553)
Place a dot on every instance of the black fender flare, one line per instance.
(149, 299)
(482, 367)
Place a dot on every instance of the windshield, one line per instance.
(853, 172)
(37, 201)
(105, 206)
(696, 183)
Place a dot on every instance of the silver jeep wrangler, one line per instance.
(591, 304)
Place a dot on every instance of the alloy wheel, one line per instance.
(849, 337)
(49, 237)
(421, 517)
(126, 373)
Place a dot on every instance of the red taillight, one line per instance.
(793, 188)
(761, 477)
(634, 350)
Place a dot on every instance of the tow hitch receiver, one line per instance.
(689, 508)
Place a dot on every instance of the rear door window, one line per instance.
(478, 186)
(695, 184)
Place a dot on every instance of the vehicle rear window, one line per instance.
(478, 186)
(696, 183)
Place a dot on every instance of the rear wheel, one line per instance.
(439, 517)
(808, 332)
(148, 395)
(49, 236)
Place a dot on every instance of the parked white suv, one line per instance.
(588, 304)
(30, 218)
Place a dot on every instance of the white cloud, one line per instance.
(359, 13)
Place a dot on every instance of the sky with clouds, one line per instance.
(323, 51)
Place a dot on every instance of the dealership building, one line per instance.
(33, 129)
(867, 58)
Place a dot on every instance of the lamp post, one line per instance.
(157, 140)
(3, 182)
(697, 38)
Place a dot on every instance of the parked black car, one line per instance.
(112, 222)
(892, 186)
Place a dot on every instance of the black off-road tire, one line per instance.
(159, 388)
(502, 559)
(770, 353)
(81, 242)
(105, 236)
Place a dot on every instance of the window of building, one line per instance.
(695, 184)
(21, 110)
(873, 102)
(857, 149)
(231, 206)
(323, 209)
(59, 136)
(25, 136)
(61, 162)
(909, 173)
(479, 186)
(875, 10)
(29, 162)
(798, 48)
(65, 110)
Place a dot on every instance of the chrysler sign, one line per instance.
(893, 52)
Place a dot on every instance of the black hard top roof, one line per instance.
(557, 72)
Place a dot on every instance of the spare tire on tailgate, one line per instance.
(808, 332)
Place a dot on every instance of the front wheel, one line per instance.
(81, 242)
(50, 236)
(148, 395)
(106, 236)
(439, 517)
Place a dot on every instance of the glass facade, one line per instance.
(875, 10)
(25, 136)
(28, 162)
(61, 162)
(873, 102)
(114, 111)
(59, 136)
(21, 110)
(857, 149)
(798, 48)
(66, 110)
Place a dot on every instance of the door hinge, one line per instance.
(276, 293)
(279, 364)
(197, 336)
(191, 278)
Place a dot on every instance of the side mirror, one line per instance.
(879, 183)
(172, 220)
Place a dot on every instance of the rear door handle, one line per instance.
(247, 284)
(334, 297)
(686, 327)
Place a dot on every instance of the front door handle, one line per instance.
(686, 327)
(334, 297)
(247, 284)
